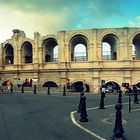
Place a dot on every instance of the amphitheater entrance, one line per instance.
(50, 84)
(112, 87)
(78, 87)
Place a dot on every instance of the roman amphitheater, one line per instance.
(110, 55)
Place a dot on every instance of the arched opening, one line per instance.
(136, 47)
(106, 55)
(26, 52)
(8, 54)
(50, 50)
(133, 52)
(80, 52)
(5, 83)
(55, 54)
(49, 84)
(138, 85)
(112, 87)
(78, 47)
(78, 87)
(109, 47)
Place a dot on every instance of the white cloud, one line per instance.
(30, 22)
(135, 22)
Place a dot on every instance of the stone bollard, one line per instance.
(34, 89)
(118, 129)
(102, 101)
(83, 111)
(22, 89)
(64, 91)
(48, 93)
(120, 96)
(79, 106)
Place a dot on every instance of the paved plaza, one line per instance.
(28, 116)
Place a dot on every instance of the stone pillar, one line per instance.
(67, 52)
(99, 51)
(35, 47)
(95, 46)
(18, 36)
(61, 46)
(121, 51)
(125, 40)
(90, 52)
(40, 54)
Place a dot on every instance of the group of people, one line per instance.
(27, 82)
(9, 85)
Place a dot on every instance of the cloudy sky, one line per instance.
(51, 16)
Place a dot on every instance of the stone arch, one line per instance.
(50, 50)
(50, 84)
(5, 81)
(82, 42)
(112, 40)
(112, 86)
(77, 86)
(8, 54)
(49, 36)
(27, 52)
(117, 34)
(138, 84)
(133, 35)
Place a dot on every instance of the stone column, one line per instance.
(90, 51)
(35, 47)
(95, 46)
(67, 52)
(61, 46)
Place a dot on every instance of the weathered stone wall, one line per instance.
(95, 69)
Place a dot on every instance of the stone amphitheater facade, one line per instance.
(22, 57)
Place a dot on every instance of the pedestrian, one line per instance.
(18, 83)
(8, 84)
(30, 82)
(0, 85)
(68, 85)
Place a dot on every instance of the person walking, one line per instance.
(8, 84)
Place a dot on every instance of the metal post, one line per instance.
(34, 89)
(22, 88)
(64, 91)
(129, 103)
(48, 90)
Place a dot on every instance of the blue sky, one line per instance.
(51, 16)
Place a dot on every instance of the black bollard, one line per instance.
(120, 96)
(136, 101)
(129, 103)
(102, 101)
(118, 129)
(2, 89)
(64, 91)
(34, 89)
(48, 90)
(79, 106)
(83, 111)
(22, 89)
(11, 88)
